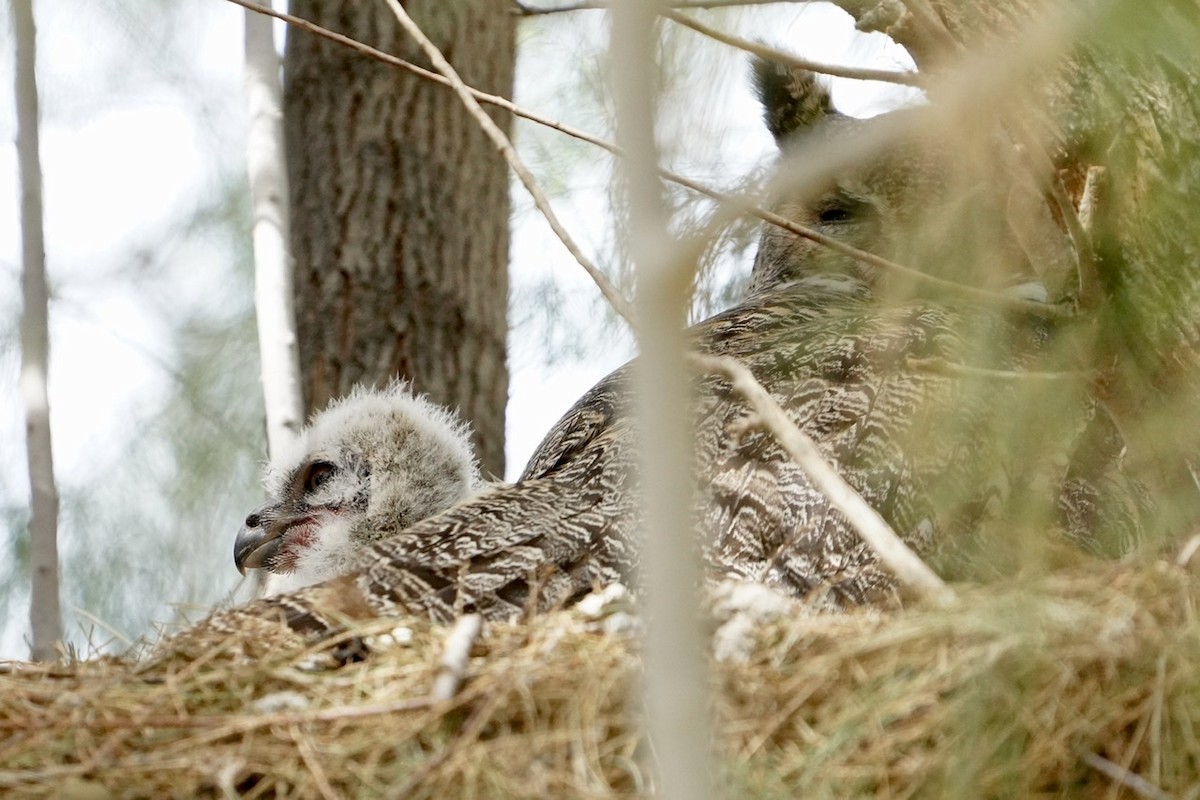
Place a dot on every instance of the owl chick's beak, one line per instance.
(258, 540)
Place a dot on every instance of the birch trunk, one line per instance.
(273, 282)
(45, 616)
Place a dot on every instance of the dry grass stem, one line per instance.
(1122, 777)
(1000, 695)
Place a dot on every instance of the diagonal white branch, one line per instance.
(898, 557)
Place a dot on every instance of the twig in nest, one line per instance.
(455, 654)
(1089, 197)
(1123, 777)
(466, 736)
(893, 553)
(309, 757)
(1188, 551)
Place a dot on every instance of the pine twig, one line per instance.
(675, 686)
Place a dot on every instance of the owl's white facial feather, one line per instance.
(369, 465)
(312, 553)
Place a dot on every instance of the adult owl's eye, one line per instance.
(835, 214)
(318, 474)
(840, 208)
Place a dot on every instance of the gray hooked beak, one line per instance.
(258, 539)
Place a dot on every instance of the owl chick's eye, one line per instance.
(319, 473)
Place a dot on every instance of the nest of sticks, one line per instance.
(1081, 684)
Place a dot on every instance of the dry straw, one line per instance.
(1078, 685)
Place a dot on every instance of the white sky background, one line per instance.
(128, 150)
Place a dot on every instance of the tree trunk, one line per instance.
(400, 210)
(45, 616)
(274, 282)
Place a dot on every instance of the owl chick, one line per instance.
(368, 465)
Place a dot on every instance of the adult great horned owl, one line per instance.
(955, 418)
(368, 465)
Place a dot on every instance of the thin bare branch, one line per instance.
(387, 58)
(526, 10)
(734, 205)
(893, 553)
(502, 143)
(783, 57)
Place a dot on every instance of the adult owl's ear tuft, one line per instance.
(793, 100)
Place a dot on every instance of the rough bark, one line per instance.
(400, 210)
(45, 616)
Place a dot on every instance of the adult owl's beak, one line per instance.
(258, 538)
